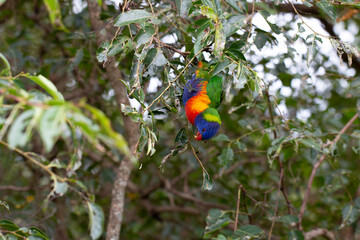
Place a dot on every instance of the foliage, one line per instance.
(9, 230)
(284, 163)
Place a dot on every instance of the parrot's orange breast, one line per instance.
(197, 103)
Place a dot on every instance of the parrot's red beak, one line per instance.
(198, 136)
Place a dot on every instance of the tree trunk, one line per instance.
(131, 129)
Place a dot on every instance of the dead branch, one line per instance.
(319, 232)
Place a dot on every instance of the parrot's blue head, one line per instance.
(207, 123)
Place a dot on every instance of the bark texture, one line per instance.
(114, 75)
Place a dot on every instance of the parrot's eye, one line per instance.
(204, 130)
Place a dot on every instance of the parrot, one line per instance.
(201, 98)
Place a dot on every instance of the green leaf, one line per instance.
(209, 13)
(288, 219)
(116, 139)
(237, 5)
(8, 236)
(249, 232)
(313, 49)
(256, 84)
(215, 5)
(144, 36)
(182, 136)
(240, 77)
(220, 237)
(96, 223)
(37, 234)
(243, 123)
(155, 59)
(328, 8)
(200, 42)
(160, 59)
(296, 235)
(183, 7)
(118, 45)
(5, 205)
(233, 24)
(8, 225)
(221, 66)
(357, 203)
(275, 149)
(77, 59)
(226, 157)
(51, 125)
(310, 143)
(260, 39)
(7, 64)
(143, 139)
(89, 128)
(202, 26)
(207, 181)
(285, 78)
(236, 54)
(56, 164)
(221, 138)
(273, 27)
(130, 111)
(240, 145)
(102, 52)
(60, 188)
(19, 134)
(150, 56)
(32, 237)
(237, 45)
(215, 220)
(54, 10)
(151, 142)
(46, 84)
(132, 16)
(350, 214)
(220, 40)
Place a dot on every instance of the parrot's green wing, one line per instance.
(214, 90)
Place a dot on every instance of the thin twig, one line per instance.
(155, 26)
(282, 188)
(14, 188)
(243, 191)
(319, 232)
(237, 207)
(302, 20)
(35, 162)
(184, 54)
(202, 166)
(317, 165)
(252, 16)
(342, 182)
(276, 203)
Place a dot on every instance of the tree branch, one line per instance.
(317, 165)
(281, 167)
(14, 188)
(131, 129)
(328, 26)
(319, 232)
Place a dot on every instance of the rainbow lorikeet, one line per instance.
(201, 98)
